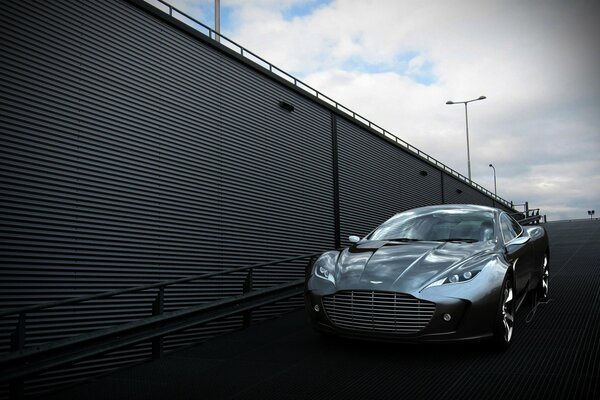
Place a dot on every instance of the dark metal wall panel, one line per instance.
(457, 192)
(276, 168)
(378, 179)
(132, 149)
(132, 153)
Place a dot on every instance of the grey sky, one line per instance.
(398, 62)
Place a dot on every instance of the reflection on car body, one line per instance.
(438, 273)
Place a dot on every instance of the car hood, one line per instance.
(403, 266)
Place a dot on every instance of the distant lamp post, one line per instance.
(218, 20)
(467, 126)
(494, 168)
(591, 213)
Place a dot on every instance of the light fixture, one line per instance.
(467, 127)
(494, 168)
(286, 106)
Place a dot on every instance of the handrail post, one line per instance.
(17, 343)
(248, 281)
(248, 288)
(157, 309)
(309, 265)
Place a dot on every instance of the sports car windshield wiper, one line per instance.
(468, 240)
(403, 240)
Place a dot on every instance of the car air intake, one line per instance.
(374, 311)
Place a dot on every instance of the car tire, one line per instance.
(505, 316)
(542, 288)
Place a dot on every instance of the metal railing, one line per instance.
(257, 60)
(23, 361)
(531, 216)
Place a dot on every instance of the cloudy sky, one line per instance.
(398, 62)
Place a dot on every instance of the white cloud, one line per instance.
(397, 62)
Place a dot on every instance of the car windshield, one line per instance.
(461, 225)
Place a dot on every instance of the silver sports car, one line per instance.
(438, 273)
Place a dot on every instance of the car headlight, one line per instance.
(457, 277)
(461, 274)
(324, 267)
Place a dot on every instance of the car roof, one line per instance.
(470, 207)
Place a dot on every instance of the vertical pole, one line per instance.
(218, 20)
(442, 182)
(157, 309)
(495, 189)
(468, 149)
(526, 209)
(337, 242)
(248, 281)
(17, 343)
(248, 288)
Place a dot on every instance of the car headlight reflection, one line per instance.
(325, 266)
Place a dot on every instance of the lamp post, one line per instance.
(494, 168)
(467, 126)
(218, 20)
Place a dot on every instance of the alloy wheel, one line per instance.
(508, 311)
(545, 278)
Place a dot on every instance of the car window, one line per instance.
(441, 230)
(438, 225)
(508, 229)
(516, 226)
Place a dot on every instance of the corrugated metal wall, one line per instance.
(377, 180)
(133, 152)
(457, 192)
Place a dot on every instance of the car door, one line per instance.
(519, 255)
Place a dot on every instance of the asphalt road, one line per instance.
(555, 354)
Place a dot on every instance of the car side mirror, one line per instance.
(519, 241)
(354, 239)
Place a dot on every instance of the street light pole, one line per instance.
(494, 168)
(467, 128)
(218, 20)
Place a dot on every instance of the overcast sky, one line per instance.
(398, 62)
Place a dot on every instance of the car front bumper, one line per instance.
(464, 311)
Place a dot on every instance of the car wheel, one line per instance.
(505, 319)
(542, 289)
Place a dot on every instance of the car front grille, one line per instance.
(374, 311)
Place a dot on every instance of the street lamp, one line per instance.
(218, 20)
(467, 125)
(494, 168)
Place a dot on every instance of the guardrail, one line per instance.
(529, 216)
(532, 216)
(23, 361)
(257, 60)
